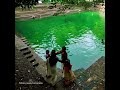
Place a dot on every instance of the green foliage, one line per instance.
(87, 4)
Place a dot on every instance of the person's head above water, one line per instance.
(47, 51)
(63, 48)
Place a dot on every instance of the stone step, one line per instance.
(27, 43)
(31, 61)
(35, 65)
(23, 38)
(79, 72)
(29, 56)
(73, 86)
(23, 49)
(89, 85)
(82, 79)
(26, 53)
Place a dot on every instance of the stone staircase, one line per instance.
(25, 41)
(88, 79)
(27, 53)
(29, 56)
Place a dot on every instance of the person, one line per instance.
(63, 52)
(64, 57)
(47, 54)
(69, 76)
(52, 62)
(47, 64)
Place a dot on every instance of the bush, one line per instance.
(87, 5)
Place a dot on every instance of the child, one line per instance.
(47, 63)
(52, 65)
(64, 56)
(47, 54)
(69, 76)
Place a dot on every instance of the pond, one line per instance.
(81, 33)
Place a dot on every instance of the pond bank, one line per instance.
(41, 13)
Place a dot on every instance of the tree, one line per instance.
(25, 3)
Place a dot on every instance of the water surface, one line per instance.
(81, 33)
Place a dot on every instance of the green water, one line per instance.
(81, 33)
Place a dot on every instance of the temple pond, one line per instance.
(81, 33)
